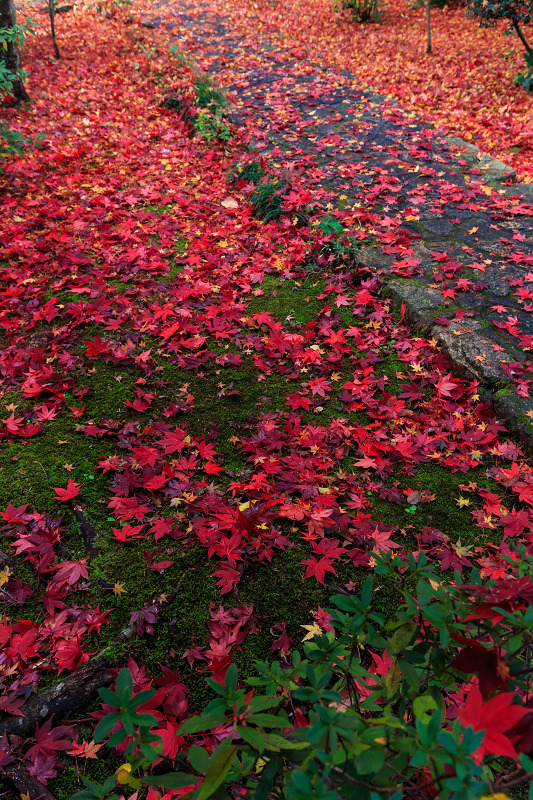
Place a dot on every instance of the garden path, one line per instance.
(464, 273)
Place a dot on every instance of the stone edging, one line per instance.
(492, 169)
(469, 350)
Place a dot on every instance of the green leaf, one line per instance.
(371, 760)
(252, 737)
(172, 780)
(392, 680)
(117, 738)
(105, 726)
(218, 769)
(409, 673)
(269, 720)
(526, 762)
(124, 684)
(149, 752)
(423, 705)
(141, 698)
(345, 602)
(109, 697)
(230, 681)
(199, 758)
(366, 592)
(402, 637)
(275, 742)
(144, 720)
(201, 723)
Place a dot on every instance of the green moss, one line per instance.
(288, 298)
(226, 403)
(503, 389)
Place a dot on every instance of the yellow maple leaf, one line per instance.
(462, 501)
(312, 631)
(119, 588)
(4, 575)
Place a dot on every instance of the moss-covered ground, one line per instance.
(243, 336)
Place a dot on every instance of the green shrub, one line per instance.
(207, 95)
(340, 249)
(428, 704)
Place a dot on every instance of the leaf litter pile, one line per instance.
(208, 419)
(466, 85)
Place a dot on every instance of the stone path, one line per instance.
(465, 272)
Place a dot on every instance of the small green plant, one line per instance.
(267, 198)
(124, 723)
(173, 103)
(205, 109)
(208, 95)
(251, 172)
(340, 248)
(210, 121)
(362, 10)
(212, 125)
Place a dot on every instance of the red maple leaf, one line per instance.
(69, 654)
(96, 347)
(445, 386)
(72, 490)
(50, 740)
(317, 568)
(491, 669)
(495, 717)
(69, 572)
(128, 533)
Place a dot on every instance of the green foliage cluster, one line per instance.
(362, 10)
(341, 248)
(211, 122)
(307, 729)
(525, 78)
(206, 110)
(267, 197)
(268, 193)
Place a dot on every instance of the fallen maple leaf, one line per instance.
(72, 490)
(85, 749)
